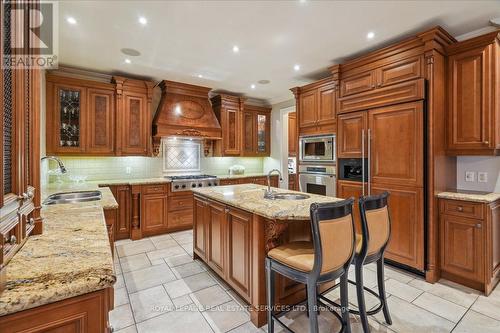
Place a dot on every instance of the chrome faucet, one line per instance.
(269, 194)
(59, 162)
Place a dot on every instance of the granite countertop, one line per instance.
(107, 201)
(72, 257)
(466, 195)
(250, 197)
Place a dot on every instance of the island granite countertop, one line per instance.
(71, 257)
(466, 195)
(250, 197)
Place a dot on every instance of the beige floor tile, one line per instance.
(398, 274)
(165, 253)
(184, 239)
(179, 260)
(181, 302)
(130, 329)
(369, 276)
(176, 322)
(123, 241)
(120, 283)
(370, 300)
(188, 247)
(446, 309)
(402, 290)
(421, 284)
(148, 277)
(407, 317)
(121, 296)
(118, 268)
(160, 238)
(489, 306)
(247, 327)
(225, 317)
(135, 247)
(189, 269)
(449, 291)
(135, 262)
(474, 322)
(121, 317)
(210, 297)
(189, 284)
(219, 280)
(165, 243)
(150, 303)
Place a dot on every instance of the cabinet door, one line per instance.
(231, 134)
(406, 208)
(404, 70)
(199, 227)
(248, 133)
(326, 105)
(122, 225)
(349, 134)
(347, 189)
(397, 144)
(260, 181)
(263, 134)
(462, 247)
(67, 118)
(238, 251)
(101, 121)
(357, 83)
(216, 229)
(292, 134)
(469, 104)
(153, 214)
(308, 109)
(134, 121)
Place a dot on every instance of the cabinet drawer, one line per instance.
(180, 203)
(152, 189)
(180, 218)
(232, 181)
(468, 209)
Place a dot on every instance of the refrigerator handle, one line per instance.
(369, 160)
(363, 161)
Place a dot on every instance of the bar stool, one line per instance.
(327, 258)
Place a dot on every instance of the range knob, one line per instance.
(176, 186)
(200, 184)
(209, 184)
(183, 186)
(193, 185)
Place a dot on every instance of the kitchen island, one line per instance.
(234, 228)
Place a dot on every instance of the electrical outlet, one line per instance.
(470, 176)
(128, 170)
(482, 177)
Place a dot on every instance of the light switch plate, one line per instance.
(470, 176)
(482, 177)
(128, 170)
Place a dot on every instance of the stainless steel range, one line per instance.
(187, 182)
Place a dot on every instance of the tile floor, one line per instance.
(161, 289)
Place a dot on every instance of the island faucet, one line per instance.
(59, 162)
(269, 193)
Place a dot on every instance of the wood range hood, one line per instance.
(185, 110)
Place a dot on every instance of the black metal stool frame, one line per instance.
(319, 212)
(362, 258)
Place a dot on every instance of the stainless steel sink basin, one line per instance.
(290, 196)
(72, 197)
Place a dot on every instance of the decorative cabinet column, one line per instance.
(136, 233)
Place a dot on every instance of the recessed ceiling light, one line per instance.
(143, 20)
(128, 61)
(236, 49)
(252, 86)
(200, 76)
(296, 67)
(130, 52)
(370, 35)
(263, 81)
(71, 20)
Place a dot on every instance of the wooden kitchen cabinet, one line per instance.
(122, 196)
(154, 211)
(347, 189)
(256, 134)
(469, 239)
(238, 251)
(200, 226)
(110, 215)
(350, 130)
(180, 211)
(228, 110)
(216, 237)
(316, 105)
(392, 72)
(473, 104)
(261, 180)
(293, 139)
(133, 113)
(292, 181)
(101, 121)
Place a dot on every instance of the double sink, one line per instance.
(72, 197)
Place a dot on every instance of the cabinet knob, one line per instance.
(226, 210)
(373, 86)
(11, 241)
(31, 221)
(460, 208)
(486, 142)
(23, 196)
(479, 225)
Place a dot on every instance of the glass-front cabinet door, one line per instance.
(69, 122)
(263, 134)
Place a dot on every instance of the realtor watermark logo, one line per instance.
(30, 34)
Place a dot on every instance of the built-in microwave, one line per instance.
(317, 148)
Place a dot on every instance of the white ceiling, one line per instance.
(185, 38)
